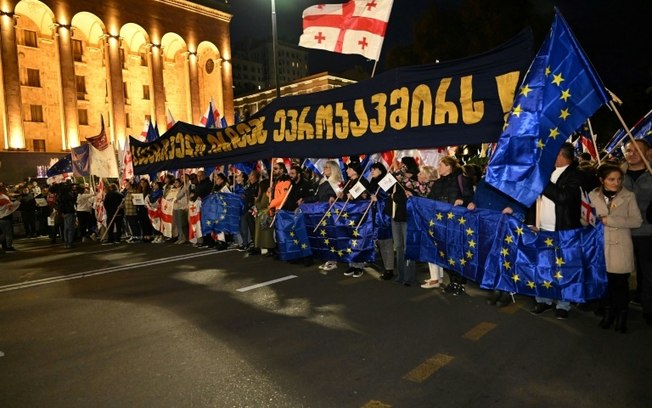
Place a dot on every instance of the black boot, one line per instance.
(493, 298)
(621, 320)
(608, 317)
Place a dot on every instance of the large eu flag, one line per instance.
(449, 236)
(559, 92)
(291, 236)
(220, 212)
(341, 236)
(567, 265)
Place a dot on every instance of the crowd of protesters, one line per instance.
(620, 191)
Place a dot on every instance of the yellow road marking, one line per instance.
(375, 404)
(478, 331)
(428, 368)
(511, 309)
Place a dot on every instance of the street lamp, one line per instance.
(275, 49)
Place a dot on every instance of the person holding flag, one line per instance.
(617, 210)
(357, 184)
(329, 185)
(454, 188)
(558, 208)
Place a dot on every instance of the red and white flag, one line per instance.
(194, 220)
(126, 163)
(143, 133)
(100, 212)
(167, 206)
(170, 120)
(587, 210)
(355, 27)
(154, 213)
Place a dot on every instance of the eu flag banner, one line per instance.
(291, 236)
(220, 212)
(450, 236)
(559, 92)
(567, 265)
(341, 240)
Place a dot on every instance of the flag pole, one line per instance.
(271, 224)
(631, 138)
(595, 144)
(367, 209)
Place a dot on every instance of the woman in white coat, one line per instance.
(617, 210)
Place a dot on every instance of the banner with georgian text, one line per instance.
(450, 103)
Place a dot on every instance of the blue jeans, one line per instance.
(405, 267)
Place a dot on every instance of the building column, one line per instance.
(115, 89)
(69, 114)
(227, 90)
(13, 118)
(158, 89)
(193, 86)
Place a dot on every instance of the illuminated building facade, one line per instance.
(67, 63)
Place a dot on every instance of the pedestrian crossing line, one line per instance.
(428, 368)
(479, 331)
(376, 404)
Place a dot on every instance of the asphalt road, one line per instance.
(148, 325)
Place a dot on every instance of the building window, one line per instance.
(83, 116)
(38, 145)
(80, 83)
(127, 121)
(33, 113)
(126, 93)
(146, 92)
(30, 77)
(77, 50)
(27, 38)
(143, 59)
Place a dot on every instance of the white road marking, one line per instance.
(55, 279)
(260, 285)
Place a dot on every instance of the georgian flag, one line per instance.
(194, 221)
(154, 213)
(355, 27)
(170, 119)
(167, 206)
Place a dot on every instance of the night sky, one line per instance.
(615, 34)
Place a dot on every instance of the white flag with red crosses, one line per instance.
(355, 27)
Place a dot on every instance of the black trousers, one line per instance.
(618, 290)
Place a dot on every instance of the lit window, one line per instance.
(83, 116)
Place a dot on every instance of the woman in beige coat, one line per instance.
(617, 209)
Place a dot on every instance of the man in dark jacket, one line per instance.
(65, 206)
(114, 211)
(202, 190)
(559, 208)
(301, 189)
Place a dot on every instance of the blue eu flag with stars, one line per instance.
(220, 212)
(559, 92)
(345, 234)
(567, 264)
(450, 236)
(291, 236)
